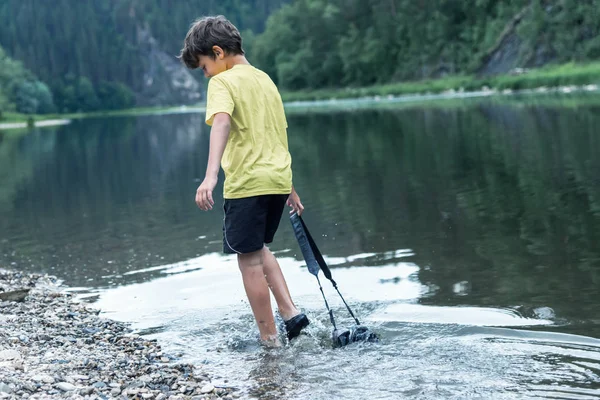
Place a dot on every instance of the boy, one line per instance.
(248, 139)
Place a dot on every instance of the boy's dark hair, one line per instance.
(206, 33)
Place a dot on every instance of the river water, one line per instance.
(466, 233)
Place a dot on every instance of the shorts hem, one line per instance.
(229, 250)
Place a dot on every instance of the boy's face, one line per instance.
(210, 66)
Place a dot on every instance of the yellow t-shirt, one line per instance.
(256, 160)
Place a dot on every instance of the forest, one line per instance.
(81, 56)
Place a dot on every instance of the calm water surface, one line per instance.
(466, 234)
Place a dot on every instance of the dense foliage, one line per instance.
(326, 43)
(95, 54)
(20, 90)
(90, 52)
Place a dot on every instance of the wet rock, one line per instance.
(544, 313)
(207, 388)
(100, 385)
(48, 338)
(86, 391)
(43, 378)
(29, 386)
(66, 387)
(4, 388)
(15, 295)
(7, 355)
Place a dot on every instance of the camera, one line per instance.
(343, 337)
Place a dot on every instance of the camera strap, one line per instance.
(315, 262)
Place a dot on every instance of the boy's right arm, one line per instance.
(218, 140)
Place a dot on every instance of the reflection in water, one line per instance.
(433, 219)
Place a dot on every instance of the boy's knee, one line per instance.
(253, 259)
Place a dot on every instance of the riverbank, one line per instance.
(33, 123)
(561, 79)
(550, 77)
(21, 121)
(53, 346)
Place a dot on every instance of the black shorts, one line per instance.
(251, 222)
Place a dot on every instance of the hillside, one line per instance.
(107, 54)
(312, 44)
(90, 52)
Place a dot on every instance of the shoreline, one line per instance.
(550, 76)
(431, 97)
(36, 124)
(54, 346)
(329, 102)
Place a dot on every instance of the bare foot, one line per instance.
(271, 342)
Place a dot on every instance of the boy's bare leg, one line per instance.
(257, 290)
(278, 286)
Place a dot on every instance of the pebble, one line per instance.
(43, 378)
(65, 386)
(7, 355)
(207, 388)
(86, 390)
(4, 388)
(51, 338)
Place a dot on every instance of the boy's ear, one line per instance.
(219, 52)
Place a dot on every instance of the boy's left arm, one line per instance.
(294, 202)
(219, 134)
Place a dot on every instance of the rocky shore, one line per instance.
(54, 347)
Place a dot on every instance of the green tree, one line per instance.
(33, 97)
(20, 90)
(114, 96)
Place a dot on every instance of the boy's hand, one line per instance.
(294, 202)
(204, 198)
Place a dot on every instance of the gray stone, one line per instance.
(30, 386)
(544, 313)
(66, 387)
(43, 378)
(15, 295)
(45, 352)
(207, 388)
(7, 355)
(86, 390)
(7, 318)
(4, 388)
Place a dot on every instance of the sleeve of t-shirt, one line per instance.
(218, 100)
